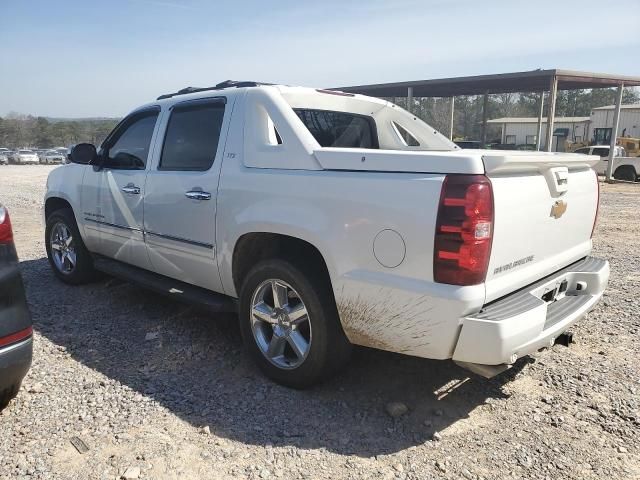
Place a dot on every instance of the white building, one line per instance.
(523, 130)
(594, 129)
(602, 123)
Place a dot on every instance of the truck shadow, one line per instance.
(195, 367)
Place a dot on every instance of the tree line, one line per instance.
(18, 131)
(27, 131)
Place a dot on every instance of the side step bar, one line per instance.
(183, 292)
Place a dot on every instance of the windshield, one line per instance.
(26, 152)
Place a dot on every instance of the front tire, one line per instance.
(290, 325)
(69, 258)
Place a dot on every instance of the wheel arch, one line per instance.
(253, 247)
(54, 203)
(622, 168)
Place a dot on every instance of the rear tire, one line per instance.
(291, 348)
(625, 172)
(70, 260)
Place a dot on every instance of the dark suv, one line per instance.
(16, 333)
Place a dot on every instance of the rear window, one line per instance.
(339, 129)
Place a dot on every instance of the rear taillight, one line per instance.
(595, 219)
(464, 230)
(6, 234)
(16, 337)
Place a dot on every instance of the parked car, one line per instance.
(52, 156)
(23, 157)
(329, 219)
(624, 168)
(503, 146)
(526, 147)
(5, 156)
(601, 151)
(16, 332)
(469, 143)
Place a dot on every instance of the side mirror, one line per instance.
(83, 153)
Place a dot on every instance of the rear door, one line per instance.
(181, 189)
(112, 196)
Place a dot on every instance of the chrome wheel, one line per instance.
(63, 248)
(280, 324)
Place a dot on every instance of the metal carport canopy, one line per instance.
(532, 81)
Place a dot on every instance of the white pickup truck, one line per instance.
(624, 168)
(329, 219)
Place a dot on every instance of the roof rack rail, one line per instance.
(219, 86)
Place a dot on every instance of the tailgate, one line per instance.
(545, 205)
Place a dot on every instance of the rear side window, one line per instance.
(339, 129)
(192, 136)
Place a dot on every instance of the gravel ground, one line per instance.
(159, 390)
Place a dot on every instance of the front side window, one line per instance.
(339, 129)
(191, 139)
(130, 149)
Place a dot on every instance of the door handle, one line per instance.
(198, 195)
(131, 189)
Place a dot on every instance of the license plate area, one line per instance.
(556, 292)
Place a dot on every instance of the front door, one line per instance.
(181, 188)
(113, 192)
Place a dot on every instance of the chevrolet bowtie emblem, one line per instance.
(558, 208)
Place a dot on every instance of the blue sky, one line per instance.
(85, 58)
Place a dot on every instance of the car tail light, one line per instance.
(595, 219)
(16, 337)
(464, 230)
(6, 234)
